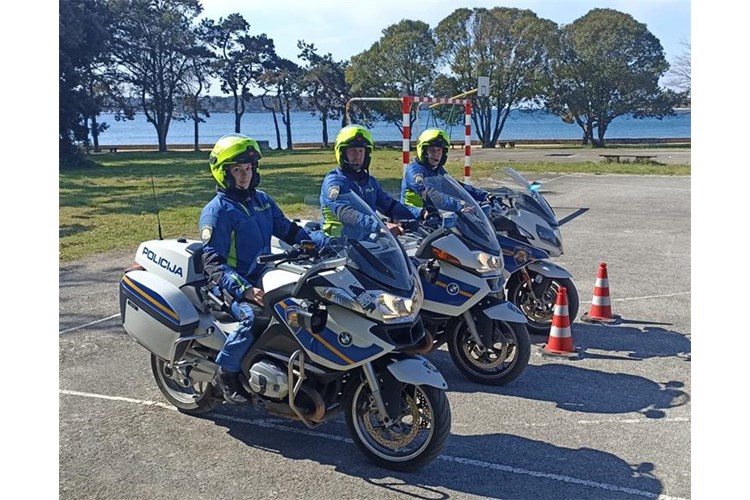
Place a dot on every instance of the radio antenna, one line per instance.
(156, 206)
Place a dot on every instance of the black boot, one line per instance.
(231, 387)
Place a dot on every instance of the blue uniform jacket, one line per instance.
(337, 182)
(236, 232)
(412, 186)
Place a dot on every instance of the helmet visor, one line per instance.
(248, 156)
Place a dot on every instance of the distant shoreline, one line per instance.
(104, 148)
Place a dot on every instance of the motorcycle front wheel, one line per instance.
(497, 364)
(196, 399)
(415, 438)
(539, 313)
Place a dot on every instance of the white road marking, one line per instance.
(271, 424)
(90, 324)
(624, 299)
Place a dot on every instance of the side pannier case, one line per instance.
(155, 312)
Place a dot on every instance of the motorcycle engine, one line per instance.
(269, 380)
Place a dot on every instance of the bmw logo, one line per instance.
(453, 289)
(345, 339)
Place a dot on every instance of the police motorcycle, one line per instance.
(529, 234)
(339, 330)
(460, 264)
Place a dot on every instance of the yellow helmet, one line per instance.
(432, 137)
(230, 150)
(353, 135)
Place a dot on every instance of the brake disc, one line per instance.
(390, 437)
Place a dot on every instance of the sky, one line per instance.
(347, 28)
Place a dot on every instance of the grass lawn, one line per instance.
(112, 206)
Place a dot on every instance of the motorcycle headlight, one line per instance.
(487, 262)
(339, 297)
(393, 306)
(548, 236)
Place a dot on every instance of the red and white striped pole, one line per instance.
(406, 111)
(467, 142)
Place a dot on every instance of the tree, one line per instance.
(401, 63)
(83, 37)
(196, 83)
(678, 76)
(607, 65)
(324, 84)
(241, 59)
(510, 46)
(280, 83)
(153, 46)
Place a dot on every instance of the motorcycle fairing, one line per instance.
(448, 290)
(517, 255)
(338, 346)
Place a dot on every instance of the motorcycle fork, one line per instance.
(526, 278)
(472, 326)
(386, 403)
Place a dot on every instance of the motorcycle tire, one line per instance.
(414, 440)
(195, 400)
(497, 366)
(540, 319)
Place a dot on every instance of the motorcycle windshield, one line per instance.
(368, 245)
(447, 194)
(532, 200)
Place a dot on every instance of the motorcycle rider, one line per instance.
(432, 153)
(353, 148)
(235, 228)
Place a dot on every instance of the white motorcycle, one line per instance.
(461, 267)
(529, 234)
(339, 331)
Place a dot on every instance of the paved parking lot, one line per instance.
(613, 424)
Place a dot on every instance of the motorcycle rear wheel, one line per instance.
(499, 364)
(197, 399)
(415, 439)
(539, 316)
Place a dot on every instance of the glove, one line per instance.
(410, 224)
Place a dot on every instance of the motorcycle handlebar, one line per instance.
(262, 259)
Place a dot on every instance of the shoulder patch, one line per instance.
(333, 192)
(418, 179)
(206, 232)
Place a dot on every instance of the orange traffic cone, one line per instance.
(601, 309)
(560, 342)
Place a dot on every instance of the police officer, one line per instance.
(235, 228)
(432, 153)
(353, 150)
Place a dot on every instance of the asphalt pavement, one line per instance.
(613, 424)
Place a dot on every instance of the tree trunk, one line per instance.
(325, 130)
(276, 129)
(195, 128)
(95, 134)
(287, 119)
